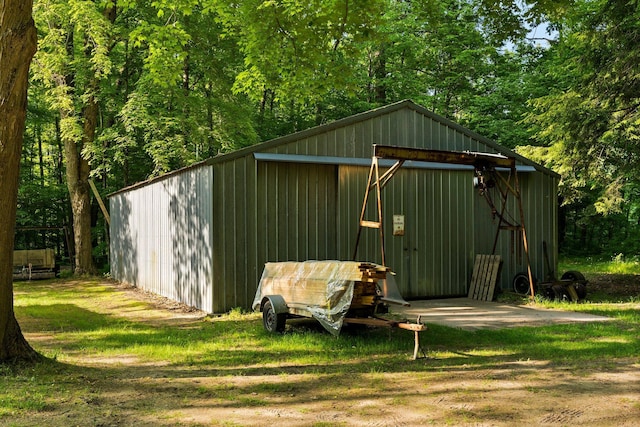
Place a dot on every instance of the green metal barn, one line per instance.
(201, 235)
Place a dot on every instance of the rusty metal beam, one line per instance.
(437, 156)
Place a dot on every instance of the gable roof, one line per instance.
(316, 130)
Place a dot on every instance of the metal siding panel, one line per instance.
(262, 221)
(230, 229)
(184, 229)
(311, 146)
(418, 130)
(172, 241)
(431, 259)
(359, 139)
(241, 240)
(299, 207)
(268, 212)
(365, 150)
(255, 263)
(540, 221)
(206, 209)
(322, 144)
(219, 234)
(123, 239)
(153, 234)
(282, 198)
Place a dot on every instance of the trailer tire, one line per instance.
(521, 284)
(576, 276)
(273, 322)
(559, 293)
(580, 283)
(581, 290)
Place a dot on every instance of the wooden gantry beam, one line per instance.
(480, 161)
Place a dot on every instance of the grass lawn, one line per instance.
(117, 356)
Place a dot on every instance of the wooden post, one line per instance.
(99, 199)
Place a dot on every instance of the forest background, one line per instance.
(127, 90)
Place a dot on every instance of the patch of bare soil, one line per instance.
(124, 392)
(618, 285)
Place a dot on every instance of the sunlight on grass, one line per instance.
(86, 318)
(616, 265)
(94, 332)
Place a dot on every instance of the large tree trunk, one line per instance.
(17, 47)
(78, 185)
(78, 168)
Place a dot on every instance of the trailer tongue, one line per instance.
(332, 292)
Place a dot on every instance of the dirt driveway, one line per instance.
(469, 314)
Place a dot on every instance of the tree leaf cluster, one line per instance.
(586, 126)
(142, 88)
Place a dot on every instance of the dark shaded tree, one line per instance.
(17, 47)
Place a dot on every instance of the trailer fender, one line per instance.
(277, 302)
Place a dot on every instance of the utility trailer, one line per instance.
(34, 264)
(332, 292)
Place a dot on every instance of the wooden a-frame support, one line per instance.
(487, 175)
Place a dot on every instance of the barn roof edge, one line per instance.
(407, 103)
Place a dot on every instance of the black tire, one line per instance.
(581, 290)
(575, 276)
(579, 282)
(521, 284)
(548, 293)
(559, 293)
(273, 322)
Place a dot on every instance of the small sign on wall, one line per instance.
(398, 225)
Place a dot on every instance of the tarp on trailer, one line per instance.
(323, 289)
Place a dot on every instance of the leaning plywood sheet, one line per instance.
(323, 288)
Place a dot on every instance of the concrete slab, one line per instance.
(469, 314)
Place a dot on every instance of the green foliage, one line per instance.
(179, 81)
(590, 115)
(300, 50)
(618, 264)
(586, 125)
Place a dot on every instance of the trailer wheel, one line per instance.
(272, 321)
(581, 290)
(521, 284)
(576, 276)
(580, 283)
(559, 293)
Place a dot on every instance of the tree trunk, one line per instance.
(78, 168)
(78, 185)
(17, 47)
(380, 75)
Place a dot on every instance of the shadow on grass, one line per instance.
(233, 363)
(242, 347)
(128, 393)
